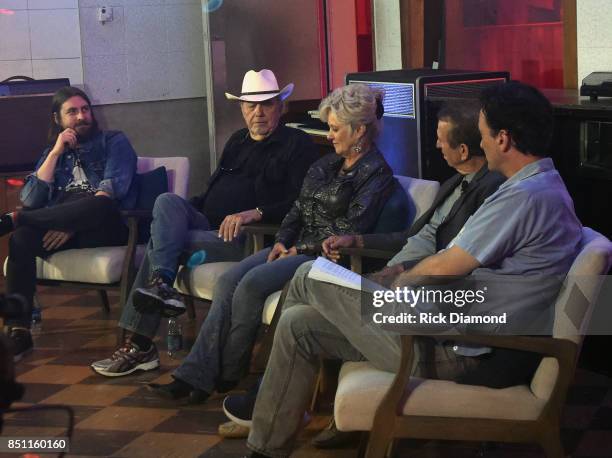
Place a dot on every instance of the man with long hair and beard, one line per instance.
(72, 199)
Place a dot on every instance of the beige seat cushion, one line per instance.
(361, 388)
(87, 265)
(270, 307)
(202, 279)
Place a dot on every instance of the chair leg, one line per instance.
(260, 361)
(189, 302)
(104, 299)
(378, 445)
(326, 384)
(363, 444)
(392, 449)
(314, 402)
(550, 441)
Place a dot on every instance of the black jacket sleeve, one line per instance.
(291, 226)
(366, 204)
(393, 241)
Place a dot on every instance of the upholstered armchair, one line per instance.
(422, 194)
(393, 406)
(112, 268)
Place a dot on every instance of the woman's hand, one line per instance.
(280, 251)
(331, 245)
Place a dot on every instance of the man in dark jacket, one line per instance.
(258, 178)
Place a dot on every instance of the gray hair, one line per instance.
(356, 105)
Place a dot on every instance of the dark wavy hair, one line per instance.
(523, 111)
(58, 100)
(463, 117)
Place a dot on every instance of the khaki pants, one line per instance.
(324, 320)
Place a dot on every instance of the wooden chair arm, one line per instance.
(136, 213)
(368, 253)
(357, 255)
(128, 271)
(561, 349)
(260, 228)
(257, 231)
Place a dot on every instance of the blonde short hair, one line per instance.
(356, 105)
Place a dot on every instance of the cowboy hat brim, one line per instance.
(282, 94)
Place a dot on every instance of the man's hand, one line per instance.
(445, 266)
(230, 227)
(331, 245)
(103, 193)
(46, 170)
(55, 239)
(66, 137)
(280, 251)
(387, 276)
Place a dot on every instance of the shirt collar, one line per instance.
(469, 177)
(539, 166)
(277, 136)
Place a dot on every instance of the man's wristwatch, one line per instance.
(260, 211)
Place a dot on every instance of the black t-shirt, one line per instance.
(236, 179)
(267, 174)
(79, 185)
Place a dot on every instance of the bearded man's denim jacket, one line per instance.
(109, 162)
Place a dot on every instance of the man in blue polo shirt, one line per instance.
(527, 228)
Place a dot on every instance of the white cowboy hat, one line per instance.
(260, 86)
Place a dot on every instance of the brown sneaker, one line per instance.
(126, 360)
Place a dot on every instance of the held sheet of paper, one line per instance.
(329, 272)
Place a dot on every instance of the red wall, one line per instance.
(524, 37)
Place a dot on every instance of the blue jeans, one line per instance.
(223, 348)
(177, 227)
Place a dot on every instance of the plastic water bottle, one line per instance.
(36, 311)
(174, 339)
(197, 258)
(36, 325)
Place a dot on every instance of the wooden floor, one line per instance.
(119, 417)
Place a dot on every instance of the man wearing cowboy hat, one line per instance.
(259, 176)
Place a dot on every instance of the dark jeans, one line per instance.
(177, 228)
(95, 221)
(223, 348)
